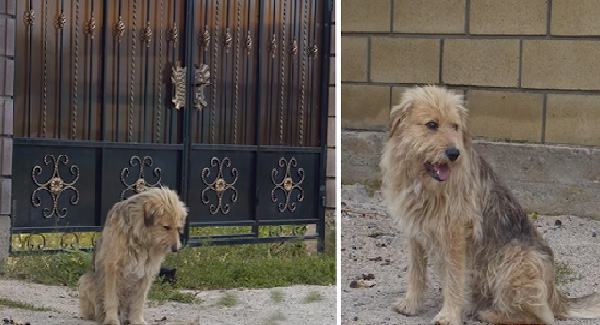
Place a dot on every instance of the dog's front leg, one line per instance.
(111, 298)
(454, 279)
(138, 299)
(417, 280)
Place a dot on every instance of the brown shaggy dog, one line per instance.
(458, 215)
(138, 234)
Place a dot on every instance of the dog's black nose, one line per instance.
(452, 153)
(174, 248)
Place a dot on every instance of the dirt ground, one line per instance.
(252, 307)
(372, 247)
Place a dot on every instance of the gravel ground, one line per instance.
(253, 306)
(373, 244)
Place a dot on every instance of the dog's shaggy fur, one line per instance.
(138, 234)
(490, 259)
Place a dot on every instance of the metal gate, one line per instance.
(223, 100)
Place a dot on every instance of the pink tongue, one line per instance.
(442, 171)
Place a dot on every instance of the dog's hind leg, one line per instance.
(417, 280)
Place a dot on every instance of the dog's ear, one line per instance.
(151, 210)
(399, 114)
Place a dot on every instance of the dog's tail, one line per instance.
(582, 307)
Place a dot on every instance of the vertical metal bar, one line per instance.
(238, 35)
(282, 81)
(59, 49)
(91, 76)
(159, 73)
(44, 71)
(75, 64)
(214, 64)
(258, 119)
(146, 64)
(304, 54)
(28, 99)
(116, 88)
(174, 59)
(189, 58)
(104, 66)
(132, 73)
(325, 50)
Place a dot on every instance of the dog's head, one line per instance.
(428, 129)
(164, 218)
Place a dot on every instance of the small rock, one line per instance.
(355, 318)
(369, 276)
(375, 259)
(594, 234)
(558, 223)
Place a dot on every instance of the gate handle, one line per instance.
(201, 80)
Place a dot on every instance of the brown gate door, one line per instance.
(220, 99)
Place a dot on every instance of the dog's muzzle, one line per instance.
(174, 248)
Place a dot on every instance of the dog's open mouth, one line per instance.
(438, 171)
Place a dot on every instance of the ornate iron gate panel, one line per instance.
(223, 100)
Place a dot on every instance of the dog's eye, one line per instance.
(455, 126)
(167, 228)
(432, 125)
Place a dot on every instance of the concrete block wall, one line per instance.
(529, 70)
(7, 52)
(331, 130)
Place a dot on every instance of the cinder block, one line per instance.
(331, 167)
(508, 17)
(481, 62)
(561, 64)
(573, 119)
(6, 159)
(429, 16)
(7, 117)
(404, 60)
(365, 107)
(5, 195)
(506, 115)
(366, 16)
(331, 193)
(355, 51)
(331, 131)
(575, 17)
(332, 101)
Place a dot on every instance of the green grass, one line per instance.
(563, 273)
(229, 299)
(20, 305)
(311, 297)
(277, 296)
(276, 318)
(201, 268)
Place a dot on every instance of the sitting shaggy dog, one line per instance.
(138, 234)
(457, 214)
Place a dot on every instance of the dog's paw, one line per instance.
(406, 307)
(111, 322)
(446, 319)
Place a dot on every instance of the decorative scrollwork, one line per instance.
(273, 46)
(90, 26)
(219, 185)
(249, 42)
(201, 80)
(178, 79)
(61, 20)
(313, 50)
(23, 242)
(55, 186)
(205, 39)
(29, 17)
(228, 41)
(147, 34)
(119, 29)
(174, 34)
(287, 185)
(140, 184)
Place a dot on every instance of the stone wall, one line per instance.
(529, 69)
(7, 46)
